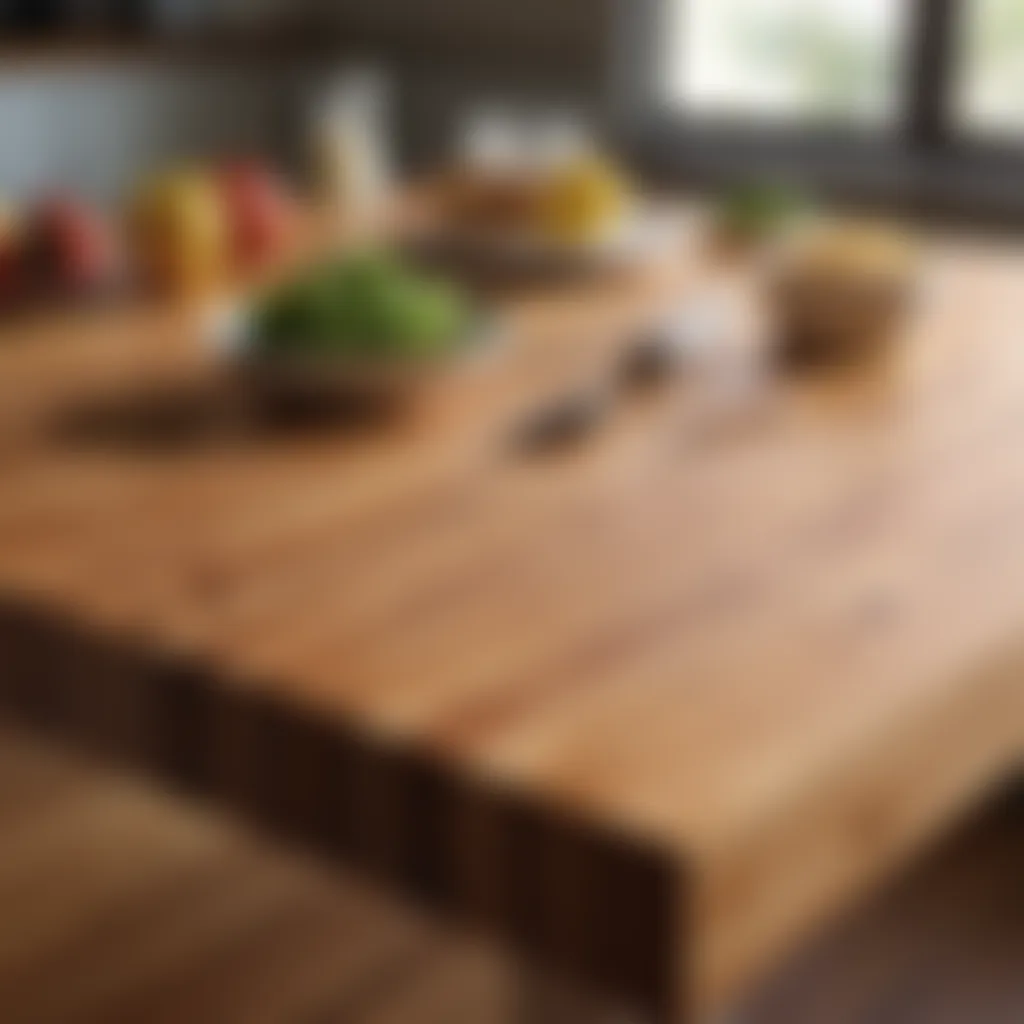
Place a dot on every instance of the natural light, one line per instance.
(992, 68)
(787, 60)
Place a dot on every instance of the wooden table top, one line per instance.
(653, 706)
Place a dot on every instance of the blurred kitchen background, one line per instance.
(94, 91)
(90, 101)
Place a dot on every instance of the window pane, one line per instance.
(789, 60)
(990, 97)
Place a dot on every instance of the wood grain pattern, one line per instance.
(150, 910)
(653, 708)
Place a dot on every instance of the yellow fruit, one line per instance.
(9, 226)
(584, 200)
(180, 232)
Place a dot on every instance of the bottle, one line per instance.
(351, 165)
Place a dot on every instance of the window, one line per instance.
(918, 102)
(822, 61)
(989, 93)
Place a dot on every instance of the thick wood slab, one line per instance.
(654, 708)
(147, 910)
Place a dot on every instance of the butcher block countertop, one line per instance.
(652, 708)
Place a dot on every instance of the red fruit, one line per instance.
(70, 247)
(261, 212)
(11, 281)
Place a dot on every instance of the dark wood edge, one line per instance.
(603, 911)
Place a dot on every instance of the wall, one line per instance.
(449, 54)
(97, 128)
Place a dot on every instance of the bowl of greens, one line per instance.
(758, 212)
(364, 321)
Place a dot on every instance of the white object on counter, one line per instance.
(352, 163)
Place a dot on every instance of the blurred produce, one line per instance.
(539, 180)
(581, 201)
(369, 306)
(584, 200)
(492, 200)
(757, 212)
(180, 233)
(261, 213)
(841, 289)
(11, 279)
(68, 248)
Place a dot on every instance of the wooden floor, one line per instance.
(943, 946)
(122, 906)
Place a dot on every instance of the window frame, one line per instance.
(923, 165)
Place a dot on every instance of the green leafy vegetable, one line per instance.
(369, 305)
(758, 209)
